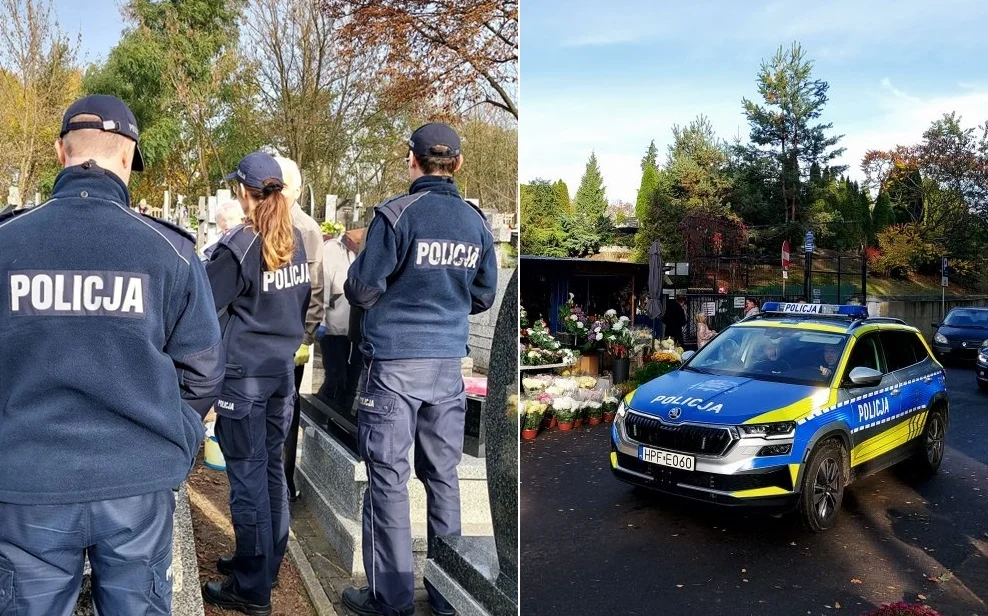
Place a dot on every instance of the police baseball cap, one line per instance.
(255, 169)
(114, 117)
(430, 135)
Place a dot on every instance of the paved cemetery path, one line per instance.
(593, 545)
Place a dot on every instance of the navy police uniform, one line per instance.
(110, 358)
(428, 263)
(262, 313)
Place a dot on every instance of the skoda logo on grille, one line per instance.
(963, 344)
(675, 413)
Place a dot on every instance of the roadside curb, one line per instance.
(320, 601)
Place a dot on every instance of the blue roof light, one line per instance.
(826, 310)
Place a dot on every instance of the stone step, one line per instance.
(342, 478)
(333, 481)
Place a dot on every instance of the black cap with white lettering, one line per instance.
(431, 135)
(114, 117)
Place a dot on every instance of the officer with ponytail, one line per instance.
(261, 287)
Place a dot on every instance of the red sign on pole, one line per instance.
(785, 255)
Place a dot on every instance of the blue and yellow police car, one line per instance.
(784, 409)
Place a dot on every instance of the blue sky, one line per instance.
(98, 22)
(610, 77)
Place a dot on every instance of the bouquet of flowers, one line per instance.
(533, 414)
(564, 409)
(573, 321)
(609, 404)
(333, 229)
(618, 338)
(542, 347)
(593, 409)
(534, 385)
(587, 382)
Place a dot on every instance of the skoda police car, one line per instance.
(784, 409)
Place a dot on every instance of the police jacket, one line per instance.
(262, 312)
(109, 347)
(427, 264)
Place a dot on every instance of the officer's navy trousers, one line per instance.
(128, 541)
(251, 436)
(402, 404)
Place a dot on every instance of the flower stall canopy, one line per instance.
(597, 285)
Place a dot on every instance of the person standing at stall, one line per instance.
(261, 289)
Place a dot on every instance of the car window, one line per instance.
(783, 355)
(899, 350)
(966, 317)
(867, 353)
(919, 349)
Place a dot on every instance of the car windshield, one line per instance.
(967, 318)
(797, 356)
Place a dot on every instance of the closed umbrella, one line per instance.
(656, 273)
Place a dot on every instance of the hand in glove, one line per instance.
(302, 355)
(321, 332)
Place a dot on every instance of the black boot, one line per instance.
(221, 594)
(362, 602)
(224, 565)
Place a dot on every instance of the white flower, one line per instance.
(625, 319)
(533, 354)
(617, 326)
(600, 336)
(579, 325)
(573, 317)
(611, 312)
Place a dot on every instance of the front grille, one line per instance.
(670, 477)
(685, 438)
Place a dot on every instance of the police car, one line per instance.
(784, 409)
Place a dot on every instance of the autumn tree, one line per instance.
(490, 161)
(177, 68)
(465, 52)
(784, 129)
(39, 79)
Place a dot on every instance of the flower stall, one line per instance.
(571, 399)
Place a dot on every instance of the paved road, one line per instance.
(594, 545)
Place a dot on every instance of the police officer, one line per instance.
(100, 309)
(260, 282)
(428, 263)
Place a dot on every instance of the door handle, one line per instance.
(928, 380)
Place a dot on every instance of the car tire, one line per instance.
(932, 444)
(823, 483)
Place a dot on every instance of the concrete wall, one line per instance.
(920, 312)
(482, 326)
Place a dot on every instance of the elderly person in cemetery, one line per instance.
(428, 263)
(260, 282)
(110, 358)
(229, 214)
(312, 239)
(340, 357)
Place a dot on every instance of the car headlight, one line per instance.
(776, 430)
(622, 410)
(940, 338)
(983, 356)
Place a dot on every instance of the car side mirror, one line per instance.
(865, 377)
(688, 355)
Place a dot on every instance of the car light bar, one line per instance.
(827, 310)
